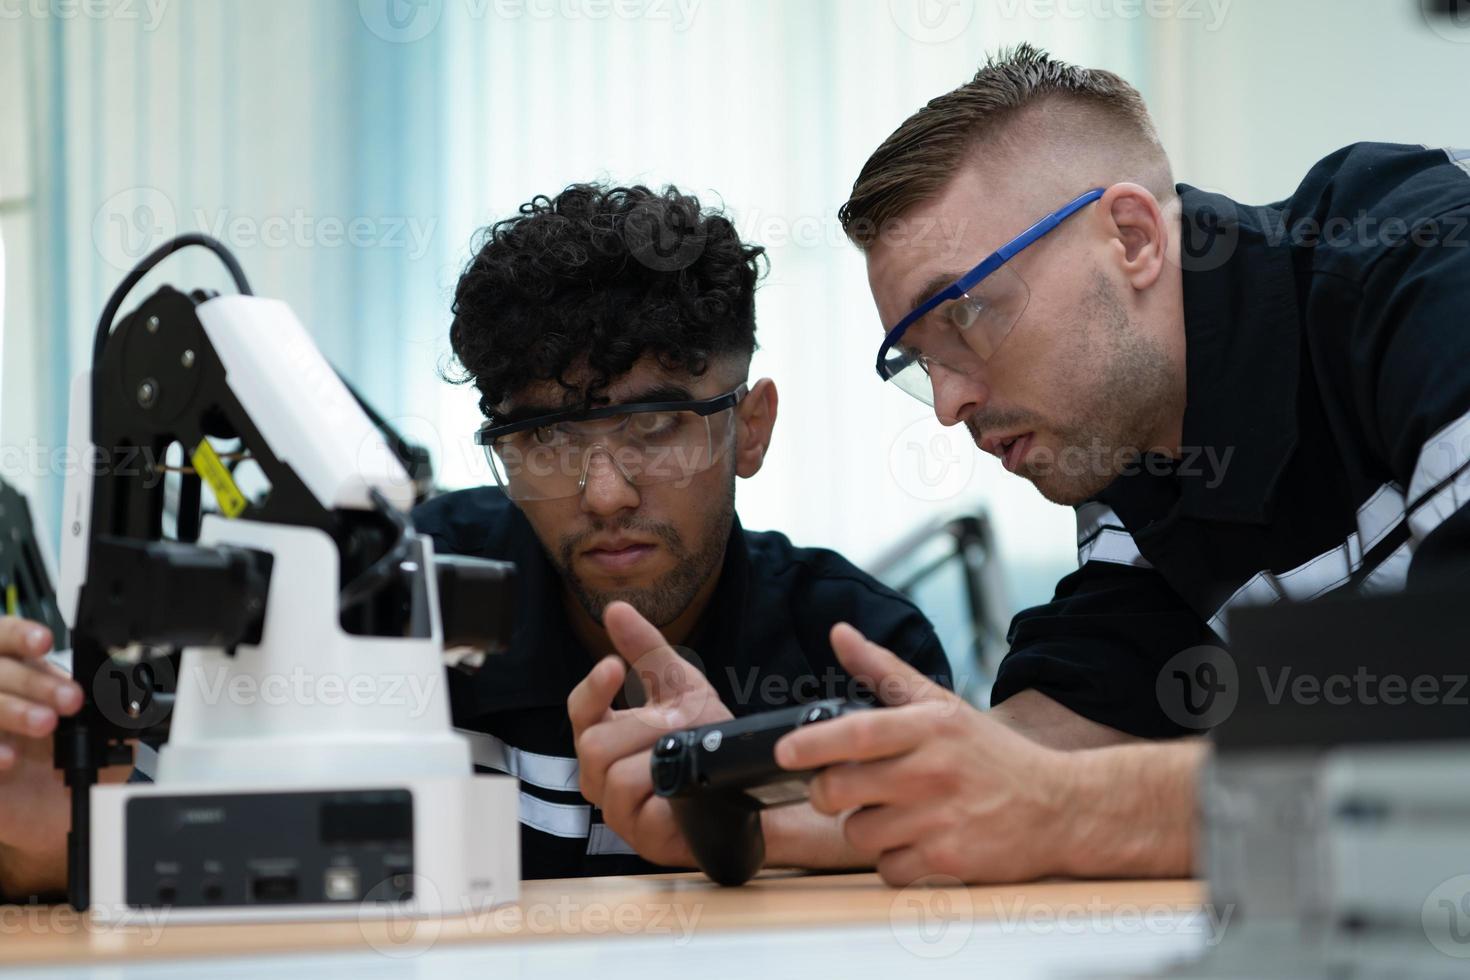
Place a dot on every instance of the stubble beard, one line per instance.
(665, 599)
(1124, 390)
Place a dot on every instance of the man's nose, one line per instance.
(606, 490)
(957, 395)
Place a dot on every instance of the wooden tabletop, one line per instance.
(563, 909)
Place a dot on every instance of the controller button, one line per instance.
(712, 741)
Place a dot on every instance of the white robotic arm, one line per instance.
(305, 628)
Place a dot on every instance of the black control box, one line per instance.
(234, 849)
(718, 778)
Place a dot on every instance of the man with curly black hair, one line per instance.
(609, 332)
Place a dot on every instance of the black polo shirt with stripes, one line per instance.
(762, 643)
(1326, 434)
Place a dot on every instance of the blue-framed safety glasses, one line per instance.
(960, 327)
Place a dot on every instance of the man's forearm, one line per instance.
(1133, 802)
(25, 875)
(1134, 810)
(1049, 723)
(800, 837)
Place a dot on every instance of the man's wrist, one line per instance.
(1129, 810)
(799, 837)
(781, 833)
(1074, 795)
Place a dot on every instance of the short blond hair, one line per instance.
(920, 157)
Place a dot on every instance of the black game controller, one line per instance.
(719, 778)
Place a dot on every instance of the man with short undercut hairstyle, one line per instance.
(1244, 404)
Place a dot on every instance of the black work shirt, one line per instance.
(762, 642)
(1326, 435)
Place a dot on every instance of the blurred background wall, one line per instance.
(348, 150)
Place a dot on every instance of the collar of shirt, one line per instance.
(546, 659)
(1242, 362)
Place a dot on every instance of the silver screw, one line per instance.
(187, 359)
(147, 392)
(152, 324)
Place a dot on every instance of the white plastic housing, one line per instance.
(303, 410)
(465, 850)
(311, 702)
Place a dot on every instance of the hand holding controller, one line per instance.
(719, 777)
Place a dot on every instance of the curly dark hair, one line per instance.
(596, 278)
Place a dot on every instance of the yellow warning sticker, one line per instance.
(12, 600)
(207, 464)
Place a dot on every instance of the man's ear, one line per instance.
(1136, 231)
(755, 417)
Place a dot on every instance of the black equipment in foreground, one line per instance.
(719, 778)
(1336, 807)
